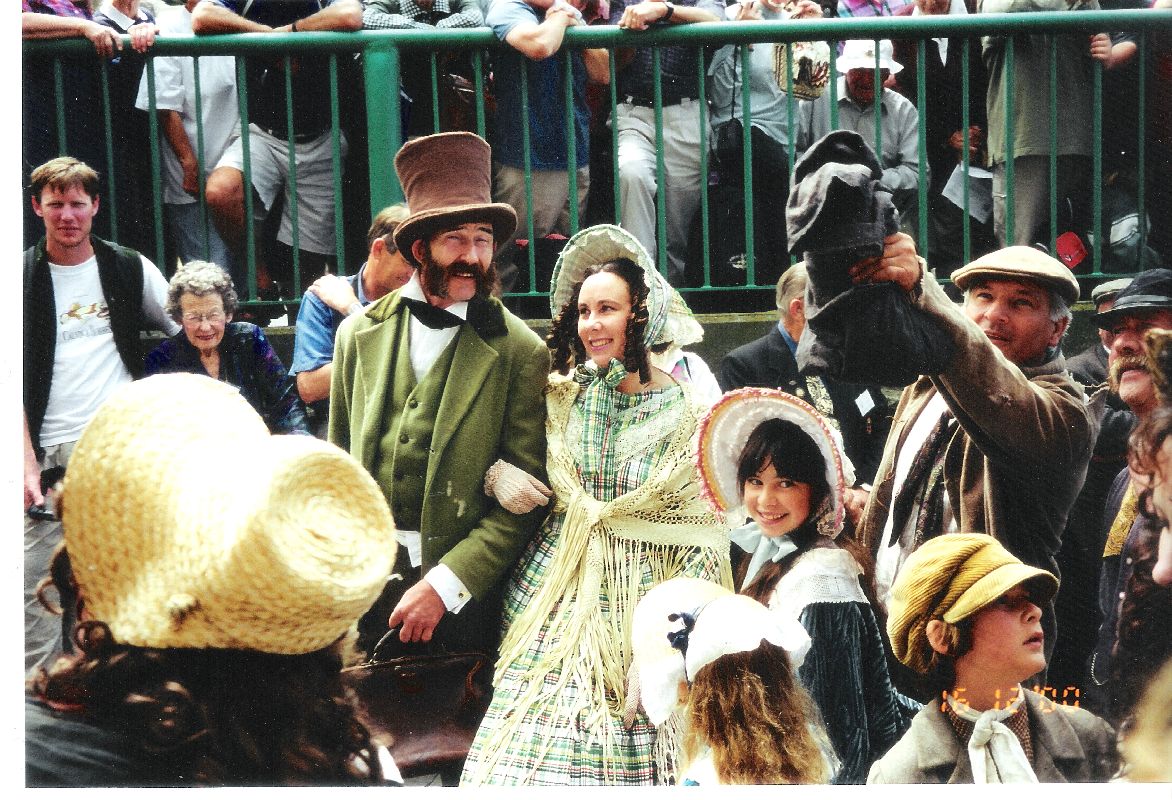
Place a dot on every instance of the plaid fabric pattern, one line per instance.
(398, 14)
(574, 756)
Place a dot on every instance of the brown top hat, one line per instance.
(447, 179)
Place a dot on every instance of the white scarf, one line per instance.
(995, 752)
(764, 548)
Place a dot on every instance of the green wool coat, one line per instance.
(492, 407)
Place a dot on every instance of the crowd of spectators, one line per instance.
(204, 200)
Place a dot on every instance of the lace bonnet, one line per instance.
(599, 244)
(726, 427)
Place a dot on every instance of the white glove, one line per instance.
(514, 488)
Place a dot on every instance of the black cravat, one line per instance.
(431, 316)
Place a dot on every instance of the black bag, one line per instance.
(423, 708)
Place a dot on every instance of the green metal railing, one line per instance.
(383, 53)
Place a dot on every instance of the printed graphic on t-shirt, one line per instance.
(81, 321)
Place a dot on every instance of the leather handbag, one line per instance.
(424, 707)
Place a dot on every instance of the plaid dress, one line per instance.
(556, 745)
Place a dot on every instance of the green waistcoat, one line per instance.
(404, 446)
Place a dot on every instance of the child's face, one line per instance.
(1007, 641)
(776, 503)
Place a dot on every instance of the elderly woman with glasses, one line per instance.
(202, 299)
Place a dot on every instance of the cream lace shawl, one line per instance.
(665, 520)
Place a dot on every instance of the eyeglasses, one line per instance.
(214, 317)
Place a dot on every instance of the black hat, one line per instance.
(1151, 289)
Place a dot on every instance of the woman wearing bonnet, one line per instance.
(769, 456)
(627, 516)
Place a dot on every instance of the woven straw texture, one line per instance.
(188, 525)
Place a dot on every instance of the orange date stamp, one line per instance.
(1053, 698)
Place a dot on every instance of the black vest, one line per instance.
(120, 271)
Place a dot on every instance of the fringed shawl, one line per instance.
(661, 524)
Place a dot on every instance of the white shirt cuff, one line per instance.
(450, 588)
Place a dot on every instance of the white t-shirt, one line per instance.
(86, 364)
(175, 91)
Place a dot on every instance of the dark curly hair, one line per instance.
(563, 339)
(213, 717)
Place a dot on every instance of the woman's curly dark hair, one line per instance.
(563, 339)
(213, 717)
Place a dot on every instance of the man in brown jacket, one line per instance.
(998, 442)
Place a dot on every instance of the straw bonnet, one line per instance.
(188, 525)
(447, 180)
(1020, 263)
(683, 624)
(599, 244)
(952, 577)
(860, 54)
(725, 428)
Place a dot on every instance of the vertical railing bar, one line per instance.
(747, 163)
(705, 231)
(246, 156)
(614, 136)
(1010, 90)
(291, 197)
(966, 122)
(660, 169)
(526, 144)
(922, 140)
(336, 164)
(1140, 148)
(478, 80)
(384, 130)
(435, 100)
(1052, 43)
(571, 144)
(156, 167)
(791, 110)
(833, 85)
(108, 130)
(59, 101)
(877, 107)
(200, 161)
(1098, 240)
